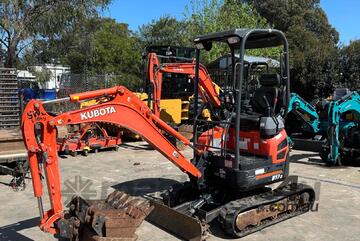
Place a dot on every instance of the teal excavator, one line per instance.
(333, 125)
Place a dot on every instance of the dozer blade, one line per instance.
(175, 222)
(114, 219)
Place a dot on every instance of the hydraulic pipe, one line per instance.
(95, 93)
(56, 100)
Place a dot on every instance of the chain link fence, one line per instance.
(71, 83)
(74, 83)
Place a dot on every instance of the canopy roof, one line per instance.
(256, 38)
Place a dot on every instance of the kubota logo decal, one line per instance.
(96, 113)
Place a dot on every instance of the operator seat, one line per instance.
(265, 99)
(265, 102)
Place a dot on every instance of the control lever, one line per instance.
(268, 107)
(270, 113)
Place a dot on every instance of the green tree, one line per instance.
(74, 47)
(312, 40)
(96, 46)
(21, 22)
(206, 16)
(350, 65)
(202, 17)
(166, 30)
(42, 75)
(118, 52)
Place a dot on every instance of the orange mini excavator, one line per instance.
(178, 112)
(155, 71)
(237, 154)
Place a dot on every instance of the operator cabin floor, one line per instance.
(338, 217)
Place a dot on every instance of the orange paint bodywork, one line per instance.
(121, 108)
(250, 143)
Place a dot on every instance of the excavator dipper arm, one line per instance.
(300, 108)
(122, 108)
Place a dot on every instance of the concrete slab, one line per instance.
(338, 217)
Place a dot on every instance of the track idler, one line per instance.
(115, 218)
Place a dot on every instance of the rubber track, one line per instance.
(230, 211)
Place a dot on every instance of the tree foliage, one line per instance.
(95, 46)
(42, 76)
(312, 42)
(23, 21)
(202, 17)
(207, 16)
(117, 51)
(166, 30)
(350, 66)
(74, 47)
(71, 32)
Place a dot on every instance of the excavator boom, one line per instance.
(122, 108)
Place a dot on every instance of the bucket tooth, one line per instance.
(114, 219)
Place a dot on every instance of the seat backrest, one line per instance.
(267, 95)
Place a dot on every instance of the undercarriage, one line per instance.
(187, 213)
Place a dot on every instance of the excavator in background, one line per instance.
(170, 77)
(173, 101)
(175, 89)
(208, 90)
(343, 142)
(237, 154)
(169, 81)
(330, 127)
(171, 91)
